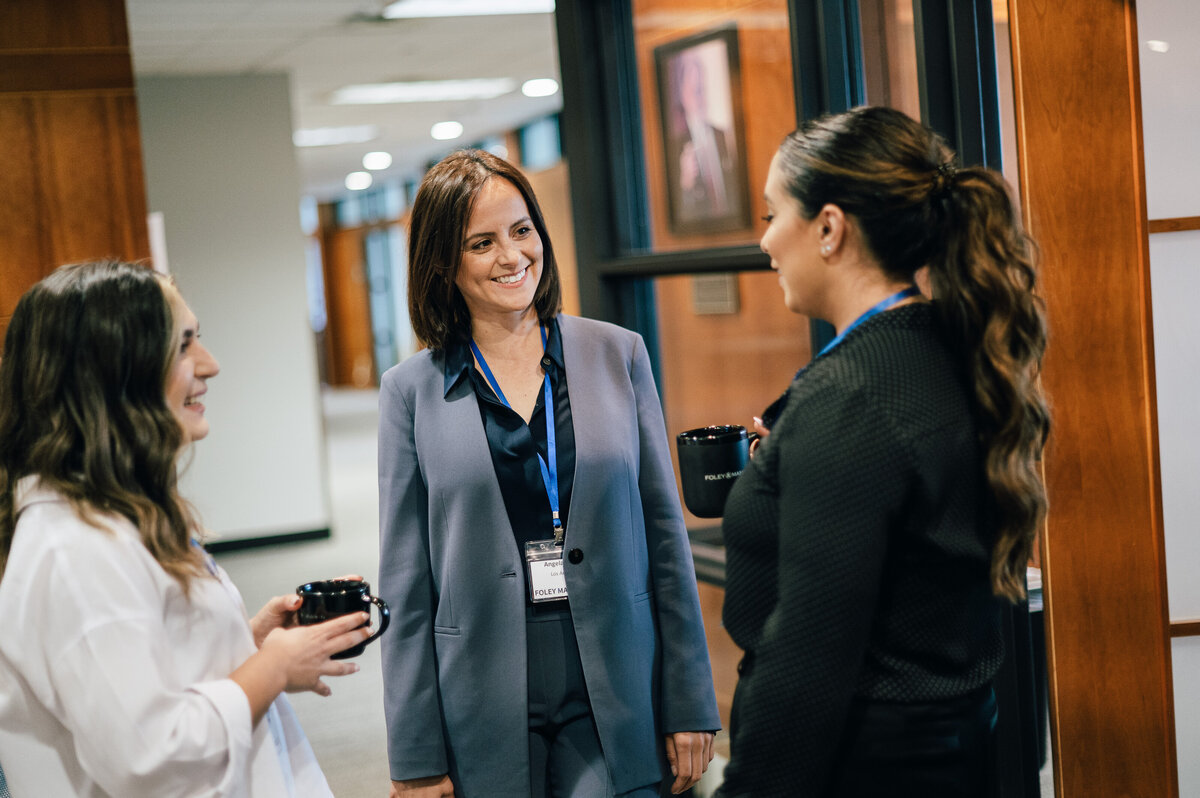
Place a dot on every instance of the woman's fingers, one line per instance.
(340, 668)
(343, 624)
(345, 632)
(688, 754)
(681, 763)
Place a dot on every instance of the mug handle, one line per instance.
(385, 618)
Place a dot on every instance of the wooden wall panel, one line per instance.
(1082, 183)
(62, 24)
(726, 368)
(552, 188)
(72, 186)
(350, 350)
(723, 654)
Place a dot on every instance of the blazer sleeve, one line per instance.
(412, 709)
(688, 699)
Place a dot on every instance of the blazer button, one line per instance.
(575, 556)
(546, 361)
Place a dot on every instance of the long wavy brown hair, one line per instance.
(915, 208)
(83, 406)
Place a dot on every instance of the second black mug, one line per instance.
(710, 459)
(321, 601)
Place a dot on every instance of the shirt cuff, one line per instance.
(233, 707)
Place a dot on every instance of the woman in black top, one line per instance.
(893, 506)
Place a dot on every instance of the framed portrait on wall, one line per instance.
(700, 111)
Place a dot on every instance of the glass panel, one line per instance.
(890, 55)
(724, 367)
(717, 98)
(379, 295)
(1004, 75)
(541, 146)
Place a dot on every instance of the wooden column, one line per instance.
(71, 185)
(1082, 185)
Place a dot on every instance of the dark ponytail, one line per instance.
(896, 178)
(983, 281)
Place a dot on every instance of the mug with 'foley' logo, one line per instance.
(710, 459)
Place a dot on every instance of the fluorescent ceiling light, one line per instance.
(377, 160)
(1158, 46)
(539, 87)
(406, 9)
(326, 136)
(445, 131)
(357, 181)
(423, 91)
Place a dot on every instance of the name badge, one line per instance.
(544, 567)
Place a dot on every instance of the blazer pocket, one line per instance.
(643, 597)
(453, 631)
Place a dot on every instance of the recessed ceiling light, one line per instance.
(465, 8)
(326, 136)
(377, 160)
(423, 91)
(539, 87)
(1158, 45)
(445, 131)
(357, 181)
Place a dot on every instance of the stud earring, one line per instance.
(825, 250)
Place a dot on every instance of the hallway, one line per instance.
(347, 729)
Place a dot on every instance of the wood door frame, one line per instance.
(69, 141)
(1078, 113)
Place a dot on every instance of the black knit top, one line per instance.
(857, 553)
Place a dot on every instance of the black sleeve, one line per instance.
(841, 476)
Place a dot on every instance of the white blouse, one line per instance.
(113, 683)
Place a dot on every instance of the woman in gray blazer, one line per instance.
(547, 633)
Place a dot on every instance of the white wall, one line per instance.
(1170, 105)
(1170, 119)
(221, 168)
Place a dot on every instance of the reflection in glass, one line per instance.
(890, 55)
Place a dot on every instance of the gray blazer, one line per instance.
(454, 660)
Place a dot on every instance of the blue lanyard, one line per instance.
(771, 414)
(209, 562)
(549, 472)
(899, 296)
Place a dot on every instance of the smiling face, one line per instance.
(193, 364)
(502, 254)
(794, 244)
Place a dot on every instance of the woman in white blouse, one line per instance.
(128, 666)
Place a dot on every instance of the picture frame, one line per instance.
(704, 144)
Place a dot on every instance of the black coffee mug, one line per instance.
(321, 601)
(710, 459)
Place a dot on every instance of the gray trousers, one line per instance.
(565, 760)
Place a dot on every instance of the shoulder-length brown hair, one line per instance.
(441, 213)
(83, 405)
